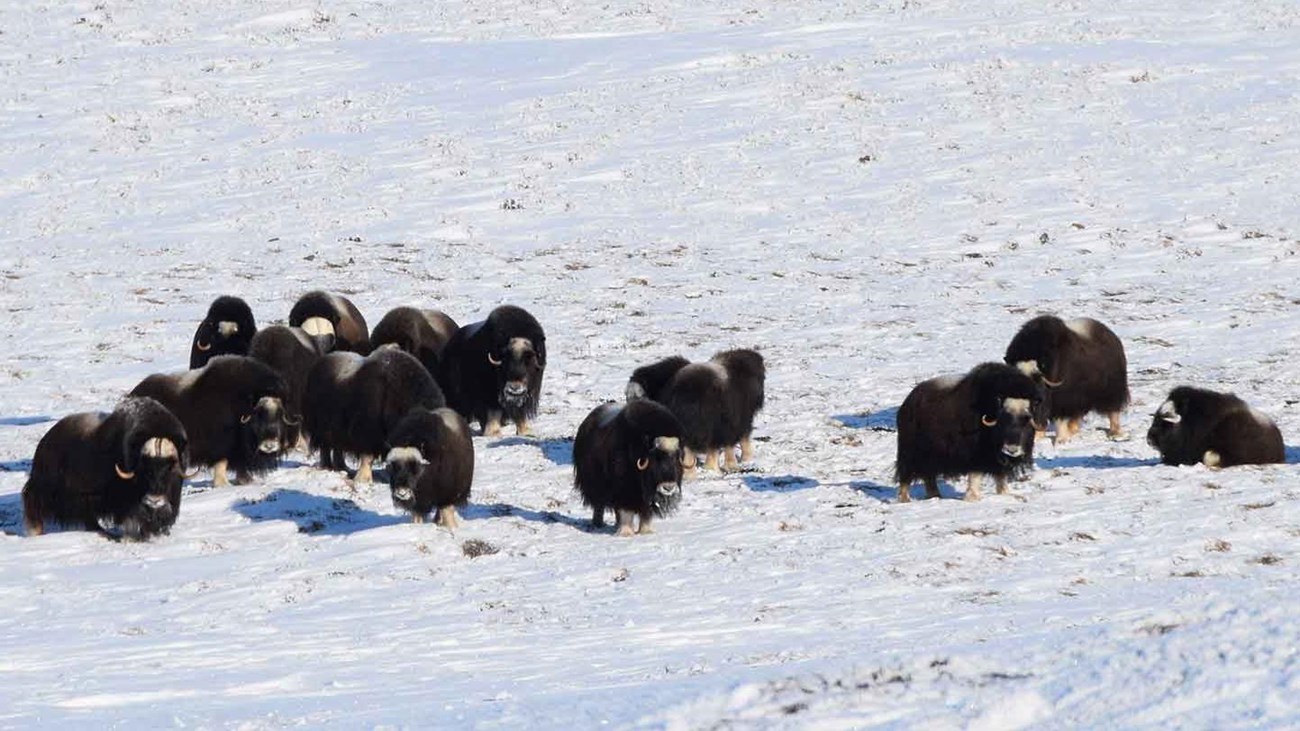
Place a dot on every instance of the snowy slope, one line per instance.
(872, 193)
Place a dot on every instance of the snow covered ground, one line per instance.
(871, 193)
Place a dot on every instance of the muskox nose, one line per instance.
(1013, 450)
(516, 388)
(154, 502)
(269, 446)
(403, 493)
(668, 488)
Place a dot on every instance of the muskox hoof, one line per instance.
(524, 429)
(624, 531)
(905, 494)
(417, 518)
(35, 529)
(448, 519)
(971, 496)
(645, 529)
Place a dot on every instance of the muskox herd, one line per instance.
(406, 393)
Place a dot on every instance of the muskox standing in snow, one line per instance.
(351, 405)
(492, 370)
(291, 353)
(227, 329)
(233, 411)
(1195, 425)
(422, 333)
(629, 457)
(977, 424)
(431, 464)
(1082, 364)
(326, 315)
(715, 402)
(121, 469)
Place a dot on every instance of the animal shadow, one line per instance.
(782, 483)
(885, 420)
(11, 514)
(503, 510)
(1292, 455)
(18, 465)
(314, 514)
(1096, 462)
(559, 450)
(24, 420)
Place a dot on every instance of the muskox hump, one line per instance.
(422, 333)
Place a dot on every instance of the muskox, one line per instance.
(715, 401)
(227, 329)
(233, 411)
(96, 471)
(629, 457)
(977, 424)
(431, 464)
(492, 370)
(351, 404)
(1081, 362)
(1195, 425)
(291, 352)
(422, 333)
(334, 318)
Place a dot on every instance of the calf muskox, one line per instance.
(121, 469)
(233, 411)
(352, 404)
(1195, 425)
(715, 402)
(422, 333)
(629, 457)
(291, 353)
(977, 424)
(329, 315)
(1082, 364)
(431, 464)
(227, 329)
(492, 370)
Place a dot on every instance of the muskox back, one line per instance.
(431, 464)
(227, 329)
(1196, 425)
(1082, 364)
(716, 402)
(122, 469)
(492, 370)
(320, 313)
(979, 423)
(232, 409)
(422, 333)
(291, 353)
(649, 381)
(628, 457)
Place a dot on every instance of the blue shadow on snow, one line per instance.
(882, 420)
(502, 510)
(24, 420)
(315, 514)
(558, 450)
(1093, 462)
(782, 483)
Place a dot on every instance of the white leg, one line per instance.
(729, 463)
(523, 428)
(493, 426)
(973, 481)
(364, 474)
(219, 476)
(1001, 482)
(645, 529)
(711, 460)
(623, 524)
(447, 518)
(747, 449)
(905, 493)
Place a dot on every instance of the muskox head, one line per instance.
(227, 329)
(1036, 349)
(658, 463)
(406, 467)
(153, 467)
(264, 426)
(321, 331)
(1007, 419)
(518, 367)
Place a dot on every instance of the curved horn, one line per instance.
(202, 348)
(1052, 384)
(191, 475)
(492, 360)
(986, 421)
(643, 463)
(1037, 426)
(123, 474)
(291, 422)
(245, 418)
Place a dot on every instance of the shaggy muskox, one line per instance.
(1082, 364)
(422, 333)
(352, 404)
(715, 402)
(328, 315)
(121, 469)
(977, 424)
(227, 329)
(233, 411)
(492, 370)
(629, 457)
(1195, 425)
(431, 464)
(290, 352)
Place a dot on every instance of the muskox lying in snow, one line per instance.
(227, 329)
(352, 404)
(422, 333)
(977, 424)
(629, 457)
(492, 370)
(1195, 425)
(233, 411)
(328, 315)
(715, 401)
(291, 353)
(431, 464)
(1082, 364)
(121, 469)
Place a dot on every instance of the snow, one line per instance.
(872, 193)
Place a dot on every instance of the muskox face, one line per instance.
(263, 426)
(155, 469)
(321, 332)
(405, 467)
(1008, 426)
(1166, 425)
(519, 373)
(657, 466)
